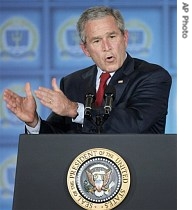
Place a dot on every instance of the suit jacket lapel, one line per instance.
(89, 78)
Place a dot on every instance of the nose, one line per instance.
(106, 45)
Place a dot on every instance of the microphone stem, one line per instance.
(99, 123)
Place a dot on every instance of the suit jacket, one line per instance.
(140, 105)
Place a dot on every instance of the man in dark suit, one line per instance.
(141, 89)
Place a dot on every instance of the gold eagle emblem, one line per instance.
(98, 179)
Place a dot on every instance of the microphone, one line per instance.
(109, 97)
(89, 99)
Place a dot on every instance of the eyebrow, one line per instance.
(108, 33)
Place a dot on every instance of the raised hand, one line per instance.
(56, 100)
(23, 107)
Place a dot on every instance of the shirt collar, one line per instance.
(99, 72)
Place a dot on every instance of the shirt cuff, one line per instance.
(35, 130)
(80, 117)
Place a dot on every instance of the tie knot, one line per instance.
(104, 77)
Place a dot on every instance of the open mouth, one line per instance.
(110, 58)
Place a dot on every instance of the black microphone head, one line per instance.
(110, 90)
(90, 92)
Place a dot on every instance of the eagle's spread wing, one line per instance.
(106, 177)
(90, 178)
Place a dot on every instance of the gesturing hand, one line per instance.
(23, 107)
(56, 100)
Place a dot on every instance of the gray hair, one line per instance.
(98, 12)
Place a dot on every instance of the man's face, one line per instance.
(105, 43)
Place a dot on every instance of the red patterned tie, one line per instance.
(103, 81)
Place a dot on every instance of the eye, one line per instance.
(112, 36)
(96, 41)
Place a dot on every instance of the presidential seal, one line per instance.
(98, 179)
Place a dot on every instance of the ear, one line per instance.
(84, 48)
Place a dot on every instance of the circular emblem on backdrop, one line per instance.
(68, 40)
(18, 39)
(98, 179)
(140, 37)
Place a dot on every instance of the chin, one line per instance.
(112, 69)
